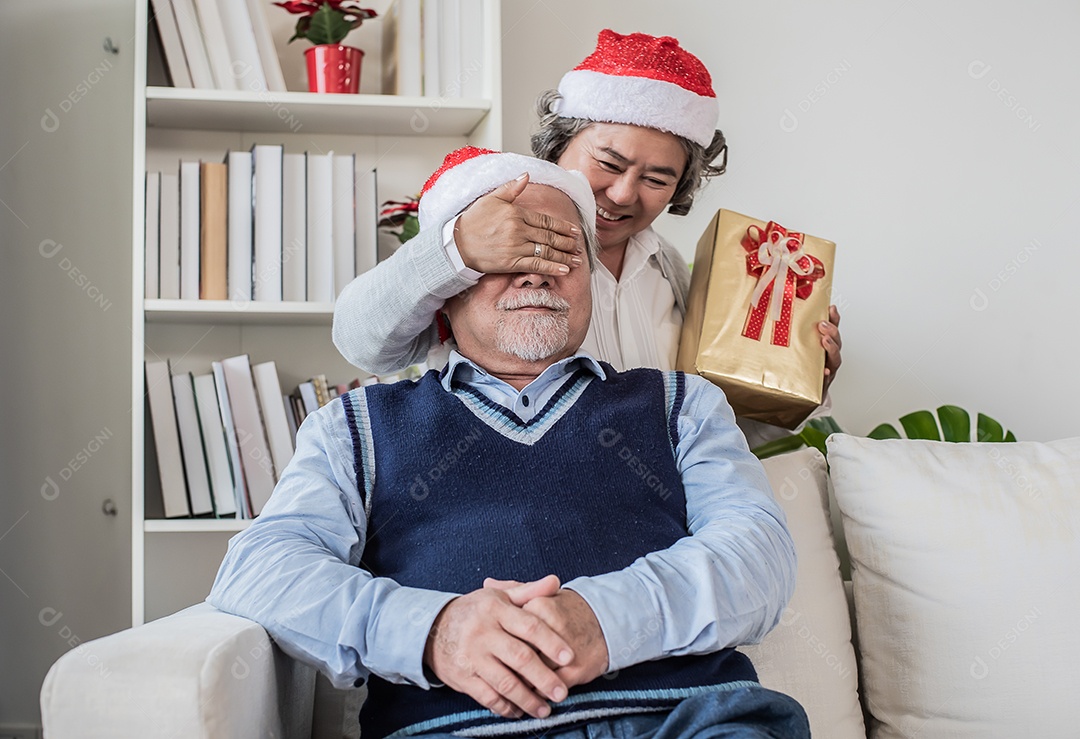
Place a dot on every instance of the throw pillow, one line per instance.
(964, 561)
(809, 654)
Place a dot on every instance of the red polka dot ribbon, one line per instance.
(784, 271)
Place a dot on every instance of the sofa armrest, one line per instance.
(197, 673)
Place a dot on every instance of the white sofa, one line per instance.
(964, 561)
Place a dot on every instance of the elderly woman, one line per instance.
(638, 118)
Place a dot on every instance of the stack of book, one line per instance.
(218, 44)
(223, 438)
(434, 48)
(262, 225)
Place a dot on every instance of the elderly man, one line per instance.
(526, 542)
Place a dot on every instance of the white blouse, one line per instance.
(635, 321)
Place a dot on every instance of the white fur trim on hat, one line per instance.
(640, 101)
(459, 186)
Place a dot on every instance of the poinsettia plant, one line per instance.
(326, 21)
(399, 217)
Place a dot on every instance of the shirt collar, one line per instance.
(464, 369)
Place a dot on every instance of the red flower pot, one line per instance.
(333, 68)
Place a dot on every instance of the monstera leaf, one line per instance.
(951, 423)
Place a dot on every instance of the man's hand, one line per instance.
(830, 339)
(483, 645)
(494, 235)
(571, 617)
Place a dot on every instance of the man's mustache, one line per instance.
(533, 299)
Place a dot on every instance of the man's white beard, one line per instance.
(529, 335)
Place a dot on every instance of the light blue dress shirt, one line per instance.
(297, 569)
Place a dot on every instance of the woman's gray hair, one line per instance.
(555, 133)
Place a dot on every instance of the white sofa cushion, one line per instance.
(964, 562)
(809, 654)
(198, 673)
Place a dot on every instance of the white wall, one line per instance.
(930, 141)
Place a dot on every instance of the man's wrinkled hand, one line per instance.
(505, 658)
(570, 616)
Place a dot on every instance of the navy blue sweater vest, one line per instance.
(460, 489)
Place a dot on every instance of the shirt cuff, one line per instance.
(454, 255)
(400, 632)
(632, 635)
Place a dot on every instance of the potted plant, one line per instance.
(331, 66)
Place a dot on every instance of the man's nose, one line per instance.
(532, 279)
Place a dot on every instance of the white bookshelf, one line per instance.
(405, 138)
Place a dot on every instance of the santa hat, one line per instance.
(469, 173)
(644, 80)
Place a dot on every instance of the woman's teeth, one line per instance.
(608, 216)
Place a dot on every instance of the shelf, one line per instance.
(195, 525)
(293, 112)
(239, 312)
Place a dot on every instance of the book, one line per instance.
(290, 415)
(344, 217)
(320, 230)
(266, 167)
(264, 40)
(247, 67)
(268, 387)
(239, 240)
(472, 48)
(322, 391)
(410, 68)
(166, 440)
(217, 454)
(170, 43)
(169, 237)
(189, 230)
(153, 204)
(430, 47)
(294, 227)
(217, 48)
(450, 49)
(240, 495)
(255, 456)
(388, 51)
(213, 230)
(367, 220)
(195, 468)
(187, 23)
(308, 397)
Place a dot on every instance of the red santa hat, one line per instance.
(644, 80)
(469, 173)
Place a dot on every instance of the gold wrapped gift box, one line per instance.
(757, 293)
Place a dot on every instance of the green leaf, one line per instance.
(814, 438)
(955, 423)
(328, 26)
(826, 424)
(920, 425)
(1009, 436)
(409, 228)
(778, 446)
(989, 429)
(885, 431)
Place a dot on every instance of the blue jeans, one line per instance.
(742, 713)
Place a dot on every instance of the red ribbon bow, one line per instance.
(784, 271)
